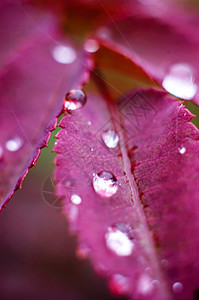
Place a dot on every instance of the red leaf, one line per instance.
(33, 83)
(141, 237)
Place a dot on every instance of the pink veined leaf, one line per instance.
(167, 53)
(138, 221)
(39, 68)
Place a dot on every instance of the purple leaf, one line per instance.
(138, 221)
(39, 68)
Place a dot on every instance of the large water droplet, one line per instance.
(110, 138)
(177, 287)
(180, 81)
(74, 100)
(105, 184)
(118, 242)
(14, 144)
(76, 199)
(91, 46)
(119, 284)
(64, 54)
(182, 149)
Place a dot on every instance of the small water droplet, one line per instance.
(110, 138)
(89, 123)
(64, 54)
(104, 33)
(14, 144)
(74, 100)
(83, 251)
(105, 184)
(180, 81)
(118, 242)
(91, 46)
(71, 212)
(68, 183)
(164, 263)
(177, 287)
(119, 284)
(92, 149)
(182, 150)
(145, 285)
(76, 199)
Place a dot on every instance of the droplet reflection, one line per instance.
(110, 138)
(105, 184)
(14, 144)
(118, 242)
(74, 100)
(179, 81)
(64, 54)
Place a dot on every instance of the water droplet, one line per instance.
(92, 149)
(145, 285)
(76, 199)
(180, 81)
(91, 46)
(182, 150)
(74, 100)
(118, 242)
(177, 287)
(119, 284)
(104, 33)
(164, 263)
(110, 138)
(14, 144)
(64, 54)
(89, 123)
(71, 212)
(105, 184)
(83, 251)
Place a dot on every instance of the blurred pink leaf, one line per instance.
(142, 235)
(38, 67)
(163, 39)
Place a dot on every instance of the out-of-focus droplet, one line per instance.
(89, 123)
(83, 251)
(164, 263)
(119, 284)
(177, 287)
(71, 212)
(91, 45)
(104, 33)
(74, 100)
(110, 138)
(145, 285)
(14, 144)
(105, 184)
(118, 242)
(182, 149)
(64, 54)
(76, 199)
(180, 81)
